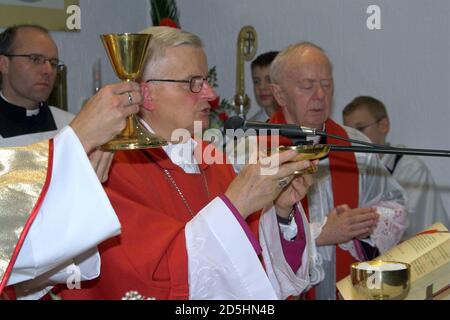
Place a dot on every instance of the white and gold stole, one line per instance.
(25, 174)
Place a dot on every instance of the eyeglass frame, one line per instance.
(37, 59)
(190, 81)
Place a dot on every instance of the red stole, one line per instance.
(344, 180)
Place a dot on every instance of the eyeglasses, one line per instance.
(362, 128)
(195, 83)
(37, 59)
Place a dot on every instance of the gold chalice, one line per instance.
(127, 53)
(381, 280)
(307, 152)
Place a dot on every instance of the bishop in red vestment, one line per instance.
(188, 231)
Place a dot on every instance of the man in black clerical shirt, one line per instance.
(28, 65)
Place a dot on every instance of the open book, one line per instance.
(428, 253)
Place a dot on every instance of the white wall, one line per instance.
(80, 50)
(406, 64)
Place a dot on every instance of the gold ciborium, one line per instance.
(307, 152)
(381, 280)
(127, 53)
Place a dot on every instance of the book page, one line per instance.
(411, 249)
(425, 252)
(430, 261)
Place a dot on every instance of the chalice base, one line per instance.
(134, 136)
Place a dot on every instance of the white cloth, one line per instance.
(261, 115)
(182, 154)
(74, 218)
(424, 202)
(62, 118)
(285, 282)
(224, 265)
(376, 186)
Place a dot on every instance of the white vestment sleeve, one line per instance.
(285, 282)
(82, 268)
(222, 262)
(74, 218)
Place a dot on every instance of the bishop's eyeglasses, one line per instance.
(195, 83)
(37, 59)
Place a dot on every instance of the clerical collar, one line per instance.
(181, 154)
(15, 121)
(33, 112)
(28, 112)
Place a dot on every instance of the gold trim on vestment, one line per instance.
(23, 171)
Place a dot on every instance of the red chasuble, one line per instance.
(150, 255)
(344, 179)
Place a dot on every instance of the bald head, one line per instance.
(296, 54)
(303, 84)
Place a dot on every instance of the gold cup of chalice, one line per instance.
(381, 280)
(127, 53)
(307, 152)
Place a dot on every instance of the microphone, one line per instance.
(299, 133)
(287, 130)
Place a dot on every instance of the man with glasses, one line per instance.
(28, 64)
(347, 186)
(424, 204)
(188, 231)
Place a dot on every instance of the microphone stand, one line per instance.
(298, 137)
(391, 150)
(367, 147)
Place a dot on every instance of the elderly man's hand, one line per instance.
(257, 185)
(104, 115)
(345, 224)
(293, 193)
